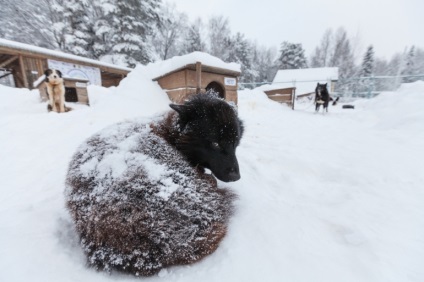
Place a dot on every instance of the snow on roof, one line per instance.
(315, 74)
(305, 80)
(160, 68)
(54, 53)
(268, 87)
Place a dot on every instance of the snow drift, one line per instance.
(335, 197)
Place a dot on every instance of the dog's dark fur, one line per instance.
(124, 221)
(208, 136)
(322, 97)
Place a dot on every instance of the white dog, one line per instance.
(56, 91)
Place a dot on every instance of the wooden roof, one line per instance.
(26, 50)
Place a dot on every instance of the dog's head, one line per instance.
(53, 76)
(210, 133)
(321, 91)
(321, 88)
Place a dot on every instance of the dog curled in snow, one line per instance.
(140, 195)
(55, 91)
(322, 97)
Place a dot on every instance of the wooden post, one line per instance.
(23, 72)
(293, 97)
(198, 77)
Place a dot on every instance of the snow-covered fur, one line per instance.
(139, 203)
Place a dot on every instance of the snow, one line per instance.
(39, 81)
(334, 197)
(159, 68)
(44, 51)
(305, 80)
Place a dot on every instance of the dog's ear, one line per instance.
(325, 84)
(47, 72)
(185, 113)
(182, 110)
(59, 73)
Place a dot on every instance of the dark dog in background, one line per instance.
(55, 91)
(322, 97)
(140, 196)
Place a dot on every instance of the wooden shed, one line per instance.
(305, 80)
(283, 95)
(26, 63)
(197, 78)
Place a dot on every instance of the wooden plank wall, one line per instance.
(34, 68)
(285, 95)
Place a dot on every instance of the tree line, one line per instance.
(141, 31)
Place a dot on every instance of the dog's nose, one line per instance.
(54, 76)
(233, 174)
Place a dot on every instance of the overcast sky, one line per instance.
(389, 25)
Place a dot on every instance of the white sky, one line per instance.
(389, 25)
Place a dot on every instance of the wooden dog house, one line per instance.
(197, 78)
(283, 95)
(75, 90)
(25, 63)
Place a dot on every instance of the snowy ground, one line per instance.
(335, 197)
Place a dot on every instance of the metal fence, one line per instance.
(346, 88)
(369, 87)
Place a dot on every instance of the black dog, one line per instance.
(138, 193)
(208, 135)
(322, 97)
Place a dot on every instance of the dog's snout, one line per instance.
(233, 174)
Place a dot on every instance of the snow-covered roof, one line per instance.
(316, 74)
(161, 68)
(269, 87)
(58, 54)
(305, 80)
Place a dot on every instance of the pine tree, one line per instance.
(292, 56)
(409, 66)
(368, 62)
(134, 23)
(419, 63)
(366, 84)
(103, 32)
(79, 29)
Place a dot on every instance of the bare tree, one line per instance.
(168, 34)
(323, 52)
(219, 36)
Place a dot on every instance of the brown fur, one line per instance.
(146, 232)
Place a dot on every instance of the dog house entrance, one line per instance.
(216, 87)
(71, 94)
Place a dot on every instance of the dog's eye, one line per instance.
(215, 145)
